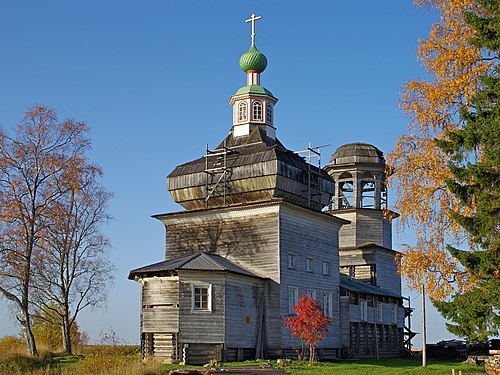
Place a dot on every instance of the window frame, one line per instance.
(242, 111)
(363, 310)
(292, 261)
(293, 299)
(328, 304)
(311, 293)
(257, 110)
(269, 113)
(309, 264)
(194, 302)
(379, 312)
(325, 268)
(394, 313)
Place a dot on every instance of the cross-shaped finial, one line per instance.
(252, 20)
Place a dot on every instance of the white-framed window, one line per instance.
(257, 110)
(363, 310)
(328, 303)
(394, 314)
(291, 261)
(311, 293)
(269, 113)
(309, 264)
(293, 298)
(202, 297)
(326, 268)
(242, 111)
(380, 311)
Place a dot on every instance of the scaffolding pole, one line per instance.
(309, 153)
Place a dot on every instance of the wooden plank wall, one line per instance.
(201, 327)
(248, 237)
(243, 296)
(306, 234)
(160, 299)
(387, 271)
(367, 225)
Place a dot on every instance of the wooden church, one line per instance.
(262, 226)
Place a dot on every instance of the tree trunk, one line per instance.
(28, 334)
(66, 332)
(311, 354)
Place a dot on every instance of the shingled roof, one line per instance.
(363, 287)
(194, 262)
(260, 168)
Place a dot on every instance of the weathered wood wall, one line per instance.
(199, 326)
(387, 271)
(243, 318)
(367, 225)
(248, 236)
(160, 299)
(307, 234)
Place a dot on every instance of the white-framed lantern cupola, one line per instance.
(253, 105)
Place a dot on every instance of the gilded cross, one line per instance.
(252, 19)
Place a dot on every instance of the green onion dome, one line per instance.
(253, 59)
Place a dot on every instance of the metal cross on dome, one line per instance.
(252, 19)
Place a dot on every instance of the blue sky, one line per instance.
(153, 79)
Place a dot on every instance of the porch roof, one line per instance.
(194, 262)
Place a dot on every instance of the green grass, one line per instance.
(370, 367)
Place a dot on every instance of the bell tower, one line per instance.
(360, 196)
(358, 170)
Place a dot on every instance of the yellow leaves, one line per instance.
(421, 168)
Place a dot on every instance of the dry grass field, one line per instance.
(126, 360)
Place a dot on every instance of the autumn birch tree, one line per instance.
(75, 271)
(454, 66)
(37, 167)
(474, 149)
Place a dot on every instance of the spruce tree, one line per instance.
(475, 165)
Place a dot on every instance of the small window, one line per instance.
(380, 312)
(326, 268)
(269, 113)
(311, 293)
(202, 297)
(242, 111)
(293, 299)
(257, 111)
(309, 265)
(363, 310)
(291, 261)
(327, 304)
(394, 314)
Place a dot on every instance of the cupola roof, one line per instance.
(253, 60)
(357, 153)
